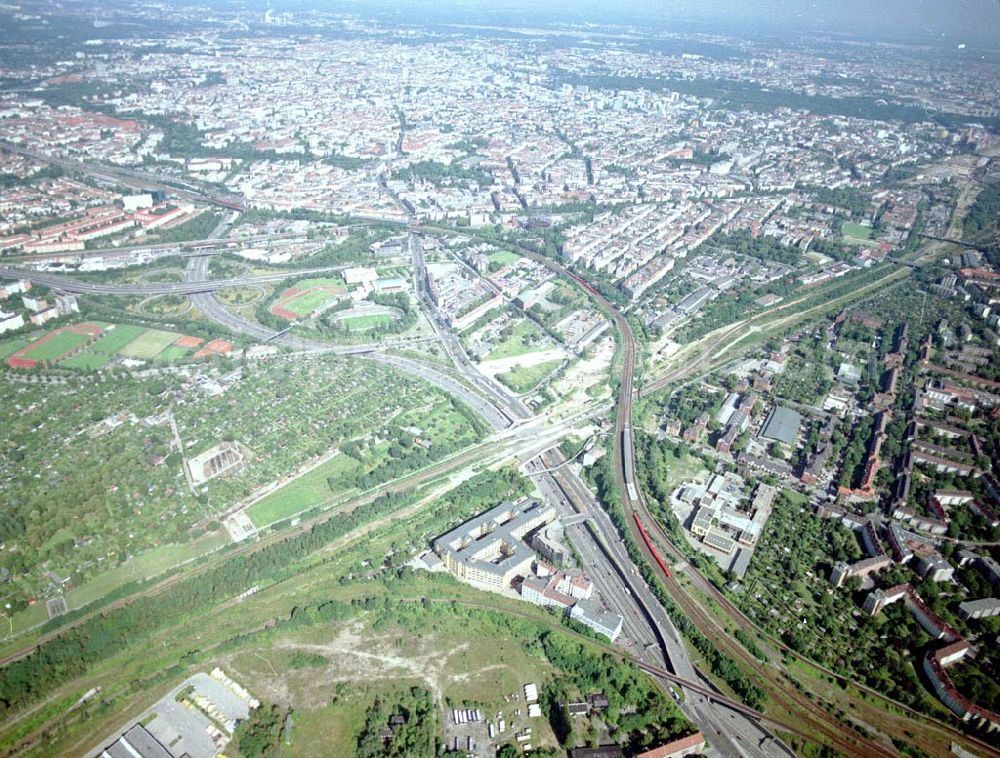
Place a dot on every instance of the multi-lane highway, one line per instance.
(648, 628)
(646, 623)
(191, 286)
(649, 634)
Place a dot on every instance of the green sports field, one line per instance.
(115, 339)
(174, 353)
(56, 345)
(314, 293)
(856, 234)
(104, 348)
(365, 322)
(307, 302)
(11, 346)
(504, 257)
(86, 360)
(149, 344)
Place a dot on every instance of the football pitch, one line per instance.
(149, 344)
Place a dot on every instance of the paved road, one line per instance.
(188, 287)
(647, 624)
(650, 633)
(186, 188)
(214, 246)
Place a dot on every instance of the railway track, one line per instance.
(407, 483)
(747, 625)
(795, 707)
(799, 708)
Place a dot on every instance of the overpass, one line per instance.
(981, 247)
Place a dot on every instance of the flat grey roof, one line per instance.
(986, 603)
(782, 425)
(144, 743)
(506, 523)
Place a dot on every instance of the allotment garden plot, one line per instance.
(321, 427)
(350, 424)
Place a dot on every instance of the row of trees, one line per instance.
(71, 654)
(74, 652)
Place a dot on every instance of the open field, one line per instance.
(525, 378)
(11, 346)
(86, 360)
(125, 340)
(99, 352)
(115, 337)
(145, 565)
(503, 257)
(306, 491)
(366, 322)
(377, 636)
(856, 234)
(307, 302)
(173, 353)
(306, 297)
(149, 344)
(524, 337)
(458, 660)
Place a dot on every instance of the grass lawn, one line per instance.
(149, 344)
(104, 348)
(322, 281)
(150, 563)
(524, 338)
(307, 302)
(856, 234)
(11, 346)
(56, 345)
(87, 360)
(114, 339)
(504, 257)
(313, 294)
(29, 617)
(524, 378)
(365, 322)
(173, 353)
(796, 497)
(302, 493)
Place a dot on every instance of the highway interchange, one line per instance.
(648, 632)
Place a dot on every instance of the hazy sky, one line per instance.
(946, 20)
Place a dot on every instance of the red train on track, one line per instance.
(649, 544)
